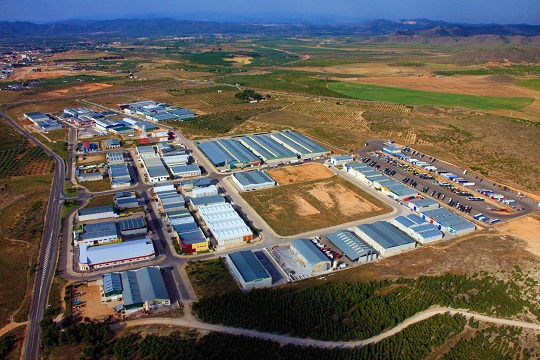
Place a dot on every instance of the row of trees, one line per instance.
(359, 310)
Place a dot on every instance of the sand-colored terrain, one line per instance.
(301, 173)
(526, 229)
(309, 205)
(240, 59)
(78, 89)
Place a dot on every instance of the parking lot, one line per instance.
(289, 263)
(447, 192)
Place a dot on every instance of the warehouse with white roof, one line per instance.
(248, 270)
(226, 226)
(97, 257)
(253, 180)
(204, 191)
(310, 255)
(385, 238)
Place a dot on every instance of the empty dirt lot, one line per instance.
(301, 173)
(305, 206)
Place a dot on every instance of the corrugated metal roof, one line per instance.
(208, 200)
(309, 251)
(130, 224)
(448, 219)
(182, 169)
(143, 285)
(115, 252)
(249, 267)
(352, 246)
(96, 210)
(385, 234)
(256, 177)
(227, 151)
(266, 147)
(112, 283)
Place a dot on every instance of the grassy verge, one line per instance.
(101, 201)
(56, 295)
(417, 97)
(68, 206)
(210, 277)
(96, 186)
(58, 135)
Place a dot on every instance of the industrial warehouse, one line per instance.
(141, 289)
(226, 226)
(253, 180)
(417, 228)
(248, 270)
(385, 238)
(273, 148)
(310, 255)
(96, 257)
(354, 248)
(376, 180)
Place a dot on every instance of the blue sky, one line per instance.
(470, 11)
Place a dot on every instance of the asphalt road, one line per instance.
(48, 251)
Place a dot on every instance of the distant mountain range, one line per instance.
(171, 27)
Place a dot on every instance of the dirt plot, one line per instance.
(526, 229)
(78, 89)
(301, 173)
(92, 307)
(305, 206)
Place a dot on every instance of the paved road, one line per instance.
(284, 339)
(48, 251)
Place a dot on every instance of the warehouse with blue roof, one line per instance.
(248, 270)
(99, 233)
(228, 152)
(310, 255)
(417, 228)
(385, 238)
(352, 246)
(299, 144)
(268, 149)
(253, 180)
(446, 220)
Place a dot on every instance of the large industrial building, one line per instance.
(227, 227)
(268, 149)
(155, 169)
(97, 257)
(189, 235)
(115, 157)
(125, 200)
(385, 238)
(310, 255)
(42, 121)
(204, 191)
(141, 289)
(228, 152)
(352, 246)
(120, 176)
(417, 228)
(253, 180)
(99, 234)
(248, 270)
(96, 213)
(274, 148)
(376, 180)
(300, 145)
(446, 220)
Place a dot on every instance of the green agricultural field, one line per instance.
(290, 81)
(533, 84)
(417, 97)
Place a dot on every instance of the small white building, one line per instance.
(184, 171)
(341, 159)
(205, 191)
